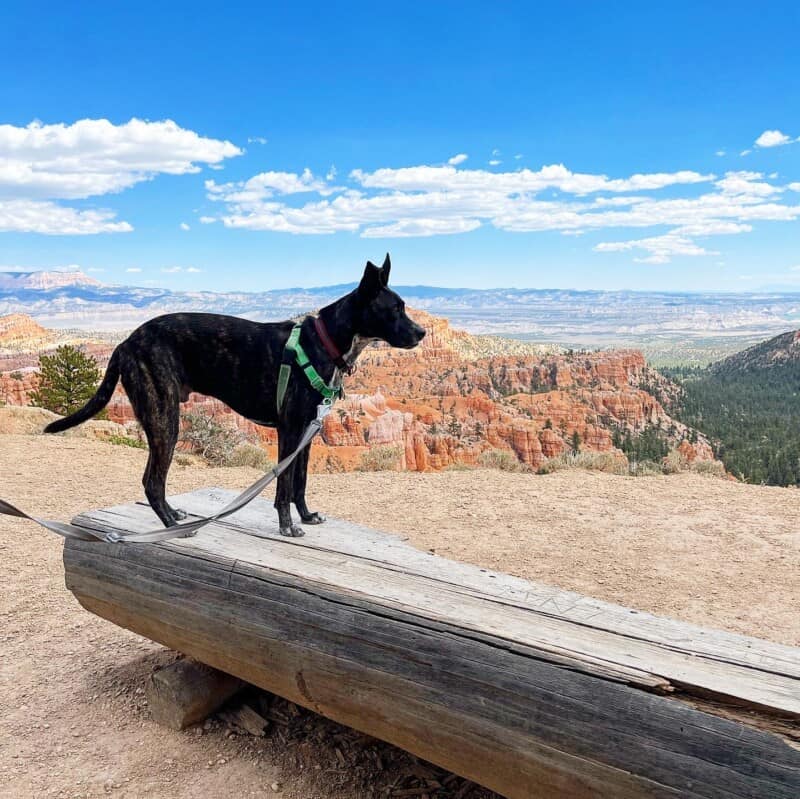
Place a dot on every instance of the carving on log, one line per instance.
(528, 690)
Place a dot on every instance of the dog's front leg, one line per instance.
(287, 442)
(299, 489)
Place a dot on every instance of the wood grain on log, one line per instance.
(528, 690)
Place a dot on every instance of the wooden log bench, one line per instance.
(523, 688)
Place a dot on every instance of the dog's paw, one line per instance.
(180, 515)
(293, 531)
(313, 518)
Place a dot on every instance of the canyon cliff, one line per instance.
(453, 398)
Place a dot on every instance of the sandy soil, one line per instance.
(75, 721)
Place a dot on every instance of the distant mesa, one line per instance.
(45, 281)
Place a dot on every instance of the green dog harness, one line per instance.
(294, 353)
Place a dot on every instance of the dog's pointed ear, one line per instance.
(371, 282)
(385, 269)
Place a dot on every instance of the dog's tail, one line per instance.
(96, 404)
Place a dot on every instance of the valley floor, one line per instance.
(75, 722)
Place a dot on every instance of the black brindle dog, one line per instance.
(238, 362)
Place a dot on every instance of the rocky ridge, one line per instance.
(457, 396)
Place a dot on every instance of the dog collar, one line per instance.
(294, 353)
(327, 342)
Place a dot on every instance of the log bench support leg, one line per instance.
(185, 692)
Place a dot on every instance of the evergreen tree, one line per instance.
(576, 442)
(68, 378)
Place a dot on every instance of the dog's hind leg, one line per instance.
(287, 441)
(158, 410)
(299, 489)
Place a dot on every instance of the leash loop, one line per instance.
(184, 529)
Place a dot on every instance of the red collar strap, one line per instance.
(330, 347)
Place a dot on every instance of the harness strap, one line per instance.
(295, 352)
(179, 530)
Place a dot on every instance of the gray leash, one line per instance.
(178, 530)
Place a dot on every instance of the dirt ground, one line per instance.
(75, 720)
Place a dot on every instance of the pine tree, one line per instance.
(68, 379)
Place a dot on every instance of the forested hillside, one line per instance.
(749, 406)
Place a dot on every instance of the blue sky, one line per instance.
(482, 144)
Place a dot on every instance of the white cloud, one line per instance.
(720, 153)
(95, 269)
(457, 159)
(133, 269)
(495, 162)
(518, 156)
(193, 269)
(794, 186)
(661, 248)
(437, 200)
(422, 227)
(268, 184)
(745, 152)
(184, 226)
(772, 138)
(37, 216)
(40, 164)
(331, 173)
(256, 140)
(172, 269)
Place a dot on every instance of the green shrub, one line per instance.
(251, 455)
(502, 459)
(380, 459)
(126, 441)
(210, 439)
(674, 462)
(591, 461)
(709, 468)
(645, 469)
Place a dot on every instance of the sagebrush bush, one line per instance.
(251, 455)
(210, 439)
(591, 461)
(380, 459)
(645, 469)
(502, 459)
(710, 468)
(674, 462)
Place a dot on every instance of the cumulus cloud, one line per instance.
(457, 159)
(772, 138)
(440, 200)
(184, 226)
(31, 216)
(40, 164)
(173, 270)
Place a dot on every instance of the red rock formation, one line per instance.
(457, 395)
